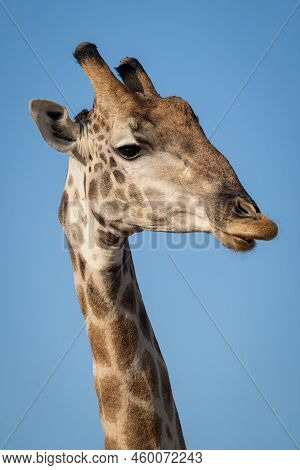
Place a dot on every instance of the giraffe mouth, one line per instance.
(235, 242)
(249, 241)
(240, 234)
(240, 243)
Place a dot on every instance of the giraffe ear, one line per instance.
(55, 125)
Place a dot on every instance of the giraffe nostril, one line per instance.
(244, 208)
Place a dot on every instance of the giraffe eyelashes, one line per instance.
(129, 151)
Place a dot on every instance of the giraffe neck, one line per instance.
(136, 404)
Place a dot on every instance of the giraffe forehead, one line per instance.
(166, 112)
(146, 110)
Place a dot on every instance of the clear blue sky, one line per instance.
(203, 51)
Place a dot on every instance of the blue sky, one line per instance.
(234, 363)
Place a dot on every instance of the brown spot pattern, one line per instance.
(77, 235)
(103, 157)
(135, 193)
(93, 190)
(128, 298)
(151, 372)
(112, 280)
(144, 321)
(98, 345)
(112, 208)
(63, 208)
(126, 258)
(120, 178)
(119, 194)
(82, 300)
(138, 386)
(110, 396)
(76, 195)
(98, 166)
(165, 388)
(96, 300)
(168, 432)
(106, 184)
(110, 444)
(112, 162)
(143, 428)
(125, 340)
(82, 266)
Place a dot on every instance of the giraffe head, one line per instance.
(145, 161)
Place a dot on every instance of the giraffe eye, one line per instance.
(129, 151)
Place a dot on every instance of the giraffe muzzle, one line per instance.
(240, 234)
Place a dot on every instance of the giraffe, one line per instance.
(137, 161)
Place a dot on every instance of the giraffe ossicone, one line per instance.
(137, 161)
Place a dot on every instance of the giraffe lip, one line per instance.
(240, 233)
(235, 242)
(247, 240)
(238, 243)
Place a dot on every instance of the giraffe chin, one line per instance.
(234, 242)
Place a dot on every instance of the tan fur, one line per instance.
(178, 182)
